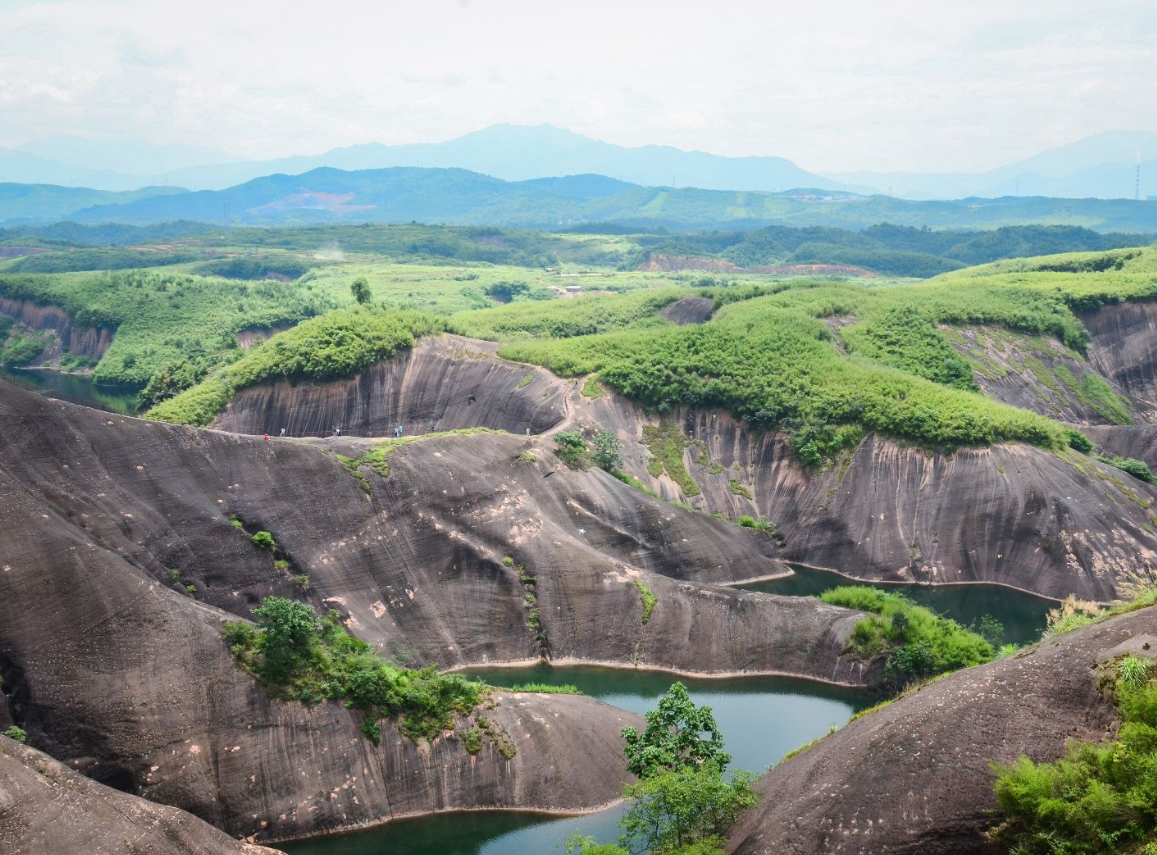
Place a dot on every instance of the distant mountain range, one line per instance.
(1101, 166)
(461, 197)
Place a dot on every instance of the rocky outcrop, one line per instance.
(913, 778)
(47, 809)
(247, 338)
(1124, 350)
(689, 310)
(1011, 514)
(443, 383)
(70, 337)
(658, 261)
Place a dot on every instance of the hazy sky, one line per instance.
(835, 86)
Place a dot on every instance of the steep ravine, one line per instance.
(138, 690)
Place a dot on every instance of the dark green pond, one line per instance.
(1023, 616)
(72, 387)
(762, 718)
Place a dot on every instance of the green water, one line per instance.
(1023, 616)
(762, 718)
(73, 387)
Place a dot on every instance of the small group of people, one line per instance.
(398, 432)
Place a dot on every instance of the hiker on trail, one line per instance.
(283, 431)
(398, 431)
(337, 431)
(267, 437)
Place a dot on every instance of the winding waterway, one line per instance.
(74, 387)
(762, 718)
(1024, 616)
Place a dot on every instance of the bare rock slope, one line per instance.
(1010, 514)
(913, 778)
(443, 383)
(115, 670)
(47, 809)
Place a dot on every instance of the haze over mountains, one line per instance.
(1101, 166)
(459, 197)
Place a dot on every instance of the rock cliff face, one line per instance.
(1124, 351)
(913, 778)
(1042, 375)
(83, 341)
(1010, 514)
(443, 383)
(47, 809)
(1016, 515)
(1136, 441)
(137, 689)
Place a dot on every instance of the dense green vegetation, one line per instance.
(770, 360)
(300, 657)
(16, 733)
(891, 250)
(566, 318)
(99, 258)
(337, 344)
(163, 320)
(19, 346)
(918, 643)
(278, 266)
(1097, 798)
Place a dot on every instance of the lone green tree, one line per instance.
(360, 288)
(605, 454)
(678, 734)
(290, 630)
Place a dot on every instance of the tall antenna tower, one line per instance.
(1137, 179)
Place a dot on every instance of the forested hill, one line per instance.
(457, 196)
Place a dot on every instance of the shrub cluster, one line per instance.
(299, 657)
(918, 643)
(1097, 798)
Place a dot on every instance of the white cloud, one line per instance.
(836, 86)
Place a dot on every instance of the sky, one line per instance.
(835, 86)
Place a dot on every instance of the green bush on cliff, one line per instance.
(337, 344)
(917, 642)
(1096, 799)
(300, 657)
(22, 347)
(17, 733)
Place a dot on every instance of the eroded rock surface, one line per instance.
(137, 688)
(47, 809)
(1012, 514)
(913, 778)
(1124, 350)
(67, 335)
(443, 383)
